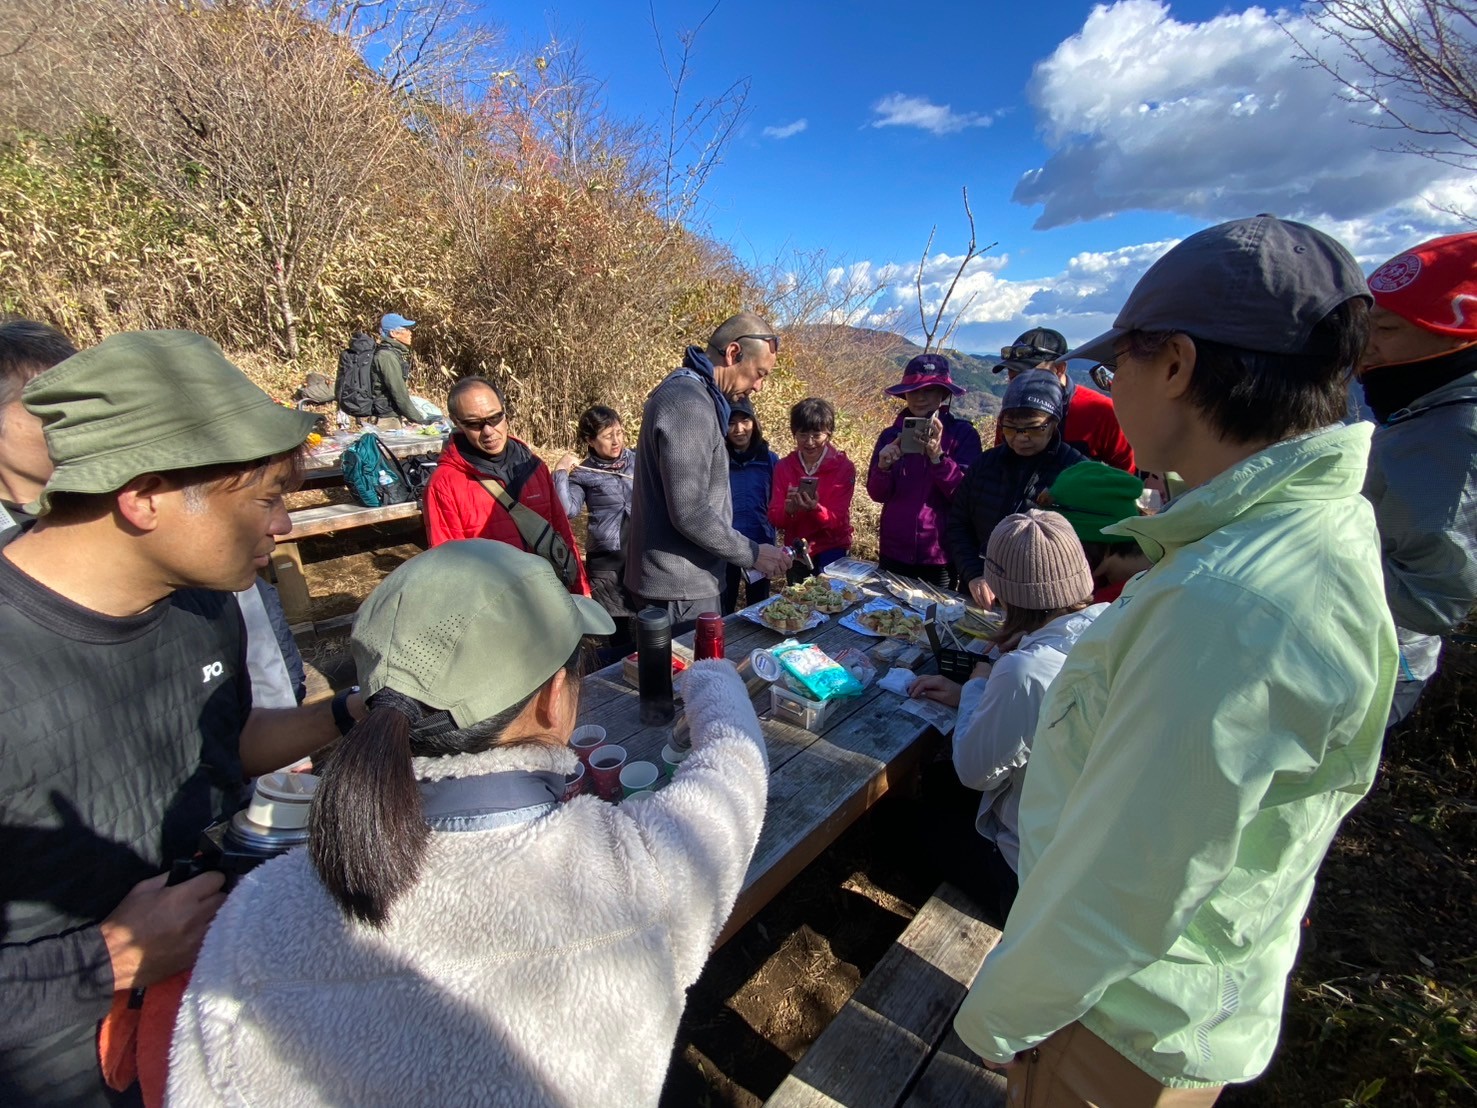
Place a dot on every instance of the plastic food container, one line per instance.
(799, 710)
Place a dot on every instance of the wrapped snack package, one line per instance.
(820, 676)
(858, 665)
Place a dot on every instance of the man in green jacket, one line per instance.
(391, 371)
(1208, 734)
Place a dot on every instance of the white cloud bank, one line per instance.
(1219, 120)
(1080, 300)
(899, 110)
(786, 130)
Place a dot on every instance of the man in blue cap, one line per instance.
(392, 369)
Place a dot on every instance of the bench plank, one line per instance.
(878, 1044)
(307, 522)
(955, 1079)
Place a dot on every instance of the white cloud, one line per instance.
(786, 130)
(1080, 301)
(899, 110)
(1217, 120)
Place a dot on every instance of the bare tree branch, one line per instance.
(971, 252)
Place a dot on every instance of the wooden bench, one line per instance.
(893, 1044)
(287, 561)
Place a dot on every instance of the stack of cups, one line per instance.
(584, 741)
(637, 778)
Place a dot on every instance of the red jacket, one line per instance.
(828, 527)
(1092, 427)
(458, 507)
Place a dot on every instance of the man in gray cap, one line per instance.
(1209, 732)
(126, 724)
(1088, 422)
(389, 391)
(682, 534)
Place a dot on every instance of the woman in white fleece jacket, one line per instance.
(453, 934)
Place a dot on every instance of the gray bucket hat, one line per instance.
(1258, 284)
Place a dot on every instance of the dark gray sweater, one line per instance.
(682, 535)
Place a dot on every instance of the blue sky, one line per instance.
(1090, 139)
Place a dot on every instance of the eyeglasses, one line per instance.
(475, 425)
(811, 436)
(1102, 376)
(1027, 354)
(1032, 431)
(772, 340)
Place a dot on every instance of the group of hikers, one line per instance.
(1179, 708)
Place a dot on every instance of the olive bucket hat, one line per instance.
(152, 402)
(470, 627)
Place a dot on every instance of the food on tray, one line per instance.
(818, 593)
(893, 622)
(782, 615)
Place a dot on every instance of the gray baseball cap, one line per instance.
(1258, 284)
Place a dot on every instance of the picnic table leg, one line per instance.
(292, 586)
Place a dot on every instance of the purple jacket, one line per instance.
(915, 494)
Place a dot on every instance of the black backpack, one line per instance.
(354, 387)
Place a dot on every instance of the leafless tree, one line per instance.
(1413, 61)
(262, 123)
(931, 341)
(697, 131)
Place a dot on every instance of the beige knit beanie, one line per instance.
(1035, 560)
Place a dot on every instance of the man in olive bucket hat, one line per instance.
(126, 724)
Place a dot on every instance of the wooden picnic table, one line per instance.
(819, 784)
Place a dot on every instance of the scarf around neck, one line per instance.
(1389, 389)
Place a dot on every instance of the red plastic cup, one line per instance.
(586, 740)
(574, 783)
(605, 770)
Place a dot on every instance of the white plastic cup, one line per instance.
(638, 777)
(586, 739)
(281, 800)
(672, 758)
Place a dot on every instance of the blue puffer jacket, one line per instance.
(605, 488)
(750, 481)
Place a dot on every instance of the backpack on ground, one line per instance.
(373, 474)
(354, 386)
(418, 470)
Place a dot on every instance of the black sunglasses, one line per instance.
(1102, 376)
(475, 425)
(772, 340)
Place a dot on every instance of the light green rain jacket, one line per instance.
(1192, 762)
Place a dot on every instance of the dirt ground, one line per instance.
(1382, 1007)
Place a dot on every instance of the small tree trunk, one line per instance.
(284, 306)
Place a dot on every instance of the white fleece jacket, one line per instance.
(544, 963)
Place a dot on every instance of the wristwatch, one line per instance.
(341, 717)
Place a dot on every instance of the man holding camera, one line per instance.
(126, 724)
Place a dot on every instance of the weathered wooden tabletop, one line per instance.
(325, 465)
(818, 784)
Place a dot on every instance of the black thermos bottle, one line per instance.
(654, 666)
(802, 567)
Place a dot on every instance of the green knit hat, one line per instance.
(1093, 495)
(152, 402)
(470, 627)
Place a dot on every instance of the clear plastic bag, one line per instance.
(819, 675)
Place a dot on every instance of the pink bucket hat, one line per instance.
(925, 371)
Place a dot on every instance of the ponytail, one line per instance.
(366, 831)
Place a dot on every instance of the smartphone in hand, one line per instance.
(809, 484)
(914, 434)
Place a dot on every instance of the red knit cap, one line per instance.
(1433, 286)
